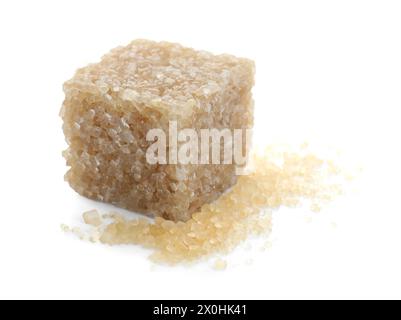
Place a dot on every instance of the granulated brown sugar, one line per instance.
(220, 264)
(279, 177)
(92, 218)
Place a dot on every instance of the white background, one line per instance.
(327, 71)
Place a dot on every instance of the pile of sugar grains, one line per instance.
(279, 176)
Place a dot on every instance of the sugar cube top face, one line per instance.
(110, 107)
(162, 75)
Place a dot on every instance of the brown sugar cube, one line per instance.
(110, 107)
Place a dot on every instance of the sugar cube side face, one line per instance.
(110, 107)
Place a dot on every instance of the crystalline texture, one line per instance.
(110, 106)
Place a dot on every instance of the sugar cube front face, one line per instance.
(110, 107)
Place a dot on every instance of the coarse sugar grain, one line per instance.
(220, 265)
(279, 177)
(92, 218)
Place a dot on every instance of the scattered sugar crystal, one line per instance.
(65, 228)
(92, 218)
(315, 207)
(220, 265)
